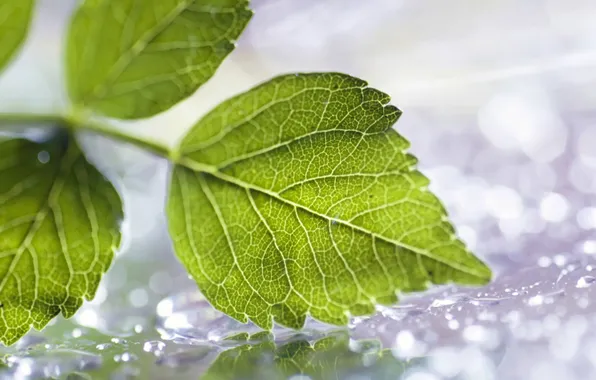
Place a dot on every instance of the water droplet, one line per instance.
(585, 282)
(356, 321)
(103, 346)
(486, 301)
(154, 346)
(43, 157)
(536, 300)
(125, 357)
(450, 300)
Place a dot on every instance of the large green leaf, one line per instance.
(15, 16)
(298, 198)
(135, 58)
(331, 357)
(59, 227)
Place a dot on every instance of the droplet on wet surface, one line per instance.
(125, 357)
(188, 317)
(43, 157)
(585, 281)
(155, 347)
(55, 363)
(103, 346)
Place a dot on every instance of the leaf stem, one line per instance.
(29, 118)
(76, 123)
(150, 145)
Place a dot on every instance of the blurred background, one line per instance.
(499, 104)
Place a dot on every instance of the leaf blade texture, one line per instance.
(59, 227)
(132, 59)
(15, 16)
(298, 198)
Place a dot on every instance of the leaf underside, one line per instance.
(59, 227)
(298, 198)
(131, 59)
(15, 16)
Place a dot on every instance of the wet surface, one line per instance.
(546, 310)
(507, 135)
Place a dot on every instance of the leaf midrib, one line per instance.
(40, 217)
(210, 170)
(137, 49)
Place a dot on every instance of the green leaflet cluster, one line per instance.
(295, 198)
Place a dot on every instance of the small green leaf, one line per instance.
(328, 358)
(131, 59)
(59, 227)
(298, 198)
(15, 16)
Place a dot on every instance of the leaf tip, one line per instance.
(486, 273)
(482, 273)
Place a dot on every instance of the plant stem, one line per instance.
(74, 123)
(31, 119)
(152, 146)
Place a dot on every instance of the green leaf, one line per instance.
(327, 358)
(131, 59)
(298, 198)
(15, 16)
(59, 227)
